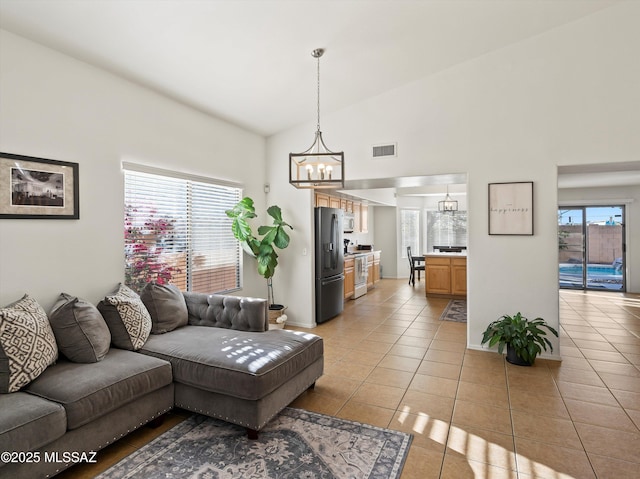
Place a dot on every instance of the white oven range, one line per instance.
(360, 267)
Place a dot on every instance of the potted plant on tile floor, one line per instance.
(524, 338)
(263, 250)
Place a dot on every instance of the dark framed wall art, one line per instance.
(37, 188)
(511, 208)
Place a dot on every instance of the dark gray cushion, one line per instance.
(127, 317)
(166, 306)
(230, 312)
(80, 330)
(243, 364)
(27, 343)
(28, 422)
(89, 391)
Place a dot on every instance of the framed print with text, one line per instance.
(511, 208)
(37, 188)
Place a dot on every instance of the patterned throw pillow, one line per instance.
(127, 318)
(27, 344)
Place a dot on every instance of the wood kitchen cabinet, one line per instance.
(334, 202)
(356, 217)
(445, 275)
(322, 200)
(437, 275)
(349, 277)
(376, 267)
(349, 206)
(370, 270)
(364, 219)
(459, 276)
(360, 211)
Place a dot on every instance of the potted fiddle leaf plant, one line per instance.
(262, 249)
(524, 338)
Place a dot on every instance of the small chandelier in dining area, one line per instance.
(447, 205)
(317, 167)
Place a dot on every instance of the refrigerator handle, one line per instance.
(334, 240)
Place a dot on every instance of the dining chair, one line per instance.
(414, 267)
(412, 272)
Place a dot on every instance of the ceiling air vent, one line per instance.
(382, 151)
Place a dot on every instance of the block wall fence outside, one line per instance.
(605, 243)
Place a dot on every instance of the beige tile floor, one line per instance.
(390, 362)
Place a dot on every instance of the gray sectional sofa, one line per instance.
(214, 356)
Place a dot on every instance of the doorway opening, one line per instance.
(591, 247)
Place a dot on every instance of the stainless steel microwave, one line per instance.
(349, 223)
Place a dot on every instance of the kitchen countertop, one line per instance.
(462, 254)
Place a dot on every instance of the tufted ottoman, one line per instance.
(226, 364)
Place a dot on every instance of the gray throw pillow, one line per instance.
(27, 344)
(127, 318)
(166, 305)
(80, 330)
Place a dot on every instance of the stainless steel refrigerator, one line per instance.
(329, 263)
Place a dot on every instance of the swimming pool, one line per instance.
(598, 277)
(592, 270)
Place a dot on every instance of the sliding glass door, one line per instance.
(572, 245)
(591, 243)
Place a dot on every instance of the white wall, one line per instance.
(619, 195)
(569, 96)
(56, 107)
(385, 240)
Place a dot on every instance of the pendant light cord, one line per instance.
(318, 105)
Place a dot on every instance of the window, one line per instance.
(446, 229)
(410, 231)
(176, 231)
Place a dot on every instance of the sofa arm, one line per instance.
(225, 311)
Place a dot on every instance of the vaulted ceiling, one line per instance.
(249, 62)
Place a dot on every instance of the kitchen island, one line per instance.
(446, 274)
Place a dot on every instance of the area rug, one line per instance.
(296, 444)
(456, 310)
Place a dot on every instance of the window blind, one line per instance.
(176, 231)
(446, 229)
(410, 231)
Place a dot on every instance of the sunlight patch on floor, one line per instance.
(485, 458)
